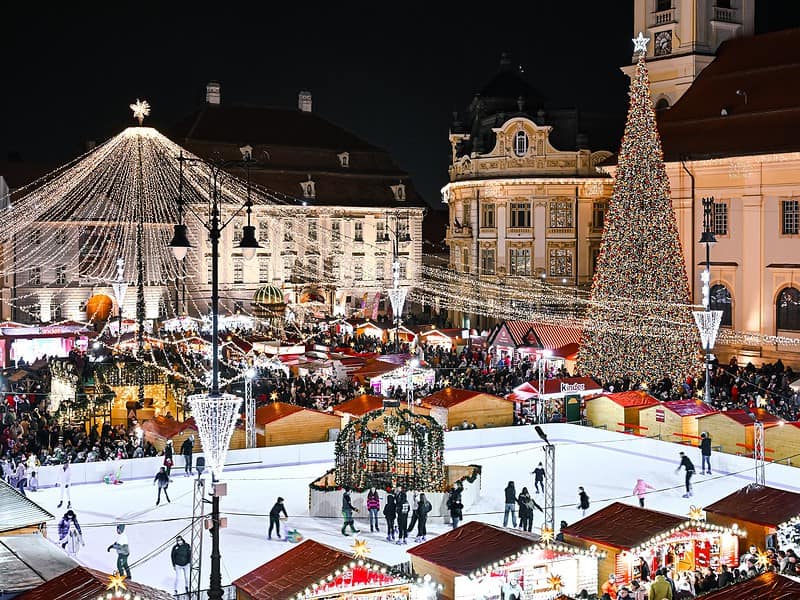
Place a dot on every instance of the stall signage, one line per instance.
(573, 387)
(660, 416)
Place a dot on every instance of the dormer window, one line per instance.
(521, 143)
(344, 160)
(399, 191)
(308, 188)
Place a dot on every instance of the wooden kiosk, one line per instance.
(620, 411)
(452, 406)
(280, 424)
(675, 421)
(732, 430)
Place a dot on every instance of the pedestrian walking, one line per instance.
(689, 466)
(640, 489)
(390, 514)
(186, 451)
(538, 478)
(423, 508)
(181, 562)
(123, 551)
(403, 508)
(275, 518)
(454, 505)
(168, 462)
(64, 479)
(70, 535)
(510, 505)
(347, 513)
(373, 507)
(583, 500)
(162, 480)
(22, 479)
(705, 452)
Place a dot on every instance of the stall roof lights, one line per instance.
(564, 548)
(691, 524)
(376, 567)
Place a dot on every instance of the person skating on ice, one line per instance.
(70, 535)
(162, 480)
(182, 563)
(583, 500)
(689, 466)
(347, 513)
(168, 461)
(705, 452)
(390, 514)
(403, 508)
(64, 479)
(640, 489)
(186, 451)
(123, 551)
(373, 507)
(423, 508)
(275, 518)
(510, 505)
(526, 506)
(538, 478)
(454, 505)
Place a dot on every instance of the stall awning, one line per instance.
(764, 505)
(767, 585)
(623, 526)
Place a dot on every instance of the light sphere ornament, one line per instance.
(640, 43)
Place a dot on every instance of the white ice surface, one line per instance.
(607, 464)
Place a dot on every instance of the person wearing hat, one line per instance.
(275, 517)
(181, 562)
(186, 451)
(69, 530)
(123, 551)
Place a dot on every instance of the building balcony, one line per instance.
(662, 17)
(462, 231)
(725, 15)
(520, 231)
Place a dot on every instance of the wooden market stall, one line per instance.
(478, 560)
(314, 570)
(627, 532)
(29, 560)
(19, 514)
(620, 411)
(765, 586)
(280, 424)
(732, 430)
(563, 397)
(369, 329)
(358, 407)
(519, 339)
(675, 421)
(784, 439)
(451, 407)
(446, 339)
(83, 583)
(760, 512)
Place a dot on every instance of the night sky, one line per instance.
(392, 75)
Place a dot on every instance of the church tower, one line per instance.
(684, 36)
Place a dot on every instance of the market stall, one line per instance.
(477, 560)
(83, 583)
(628, 532)
(280, 424)
(732, 430)
(446, 339)
(675, 421)
(452, 407)
(620, 411)
(765, 586)
(357, 407)
(390, 376)
(563, 397)
(521, 339)
(784, 440)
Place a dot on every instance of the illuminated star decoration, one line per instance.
(446, 383)
(141, 109)
(547, 535)
(362, 389)
(116, 582)
(696, 513)
(762, 560)
(555, 583)
(273, 396)
(640, 43)
(361, 549)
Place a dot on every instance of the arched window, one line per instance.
(521, 143)
(788, 309)
(720, 299)
(662, 104)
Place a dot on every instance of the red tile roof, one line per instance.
(765, 586)
(531, 333)
(449, 397)
(360, 405)
(274, 411)
(472, 546)
(374, 367)
(623, 526)
(758, 504)
(631, 399)
(82, 583)
(689, 408)
(742, 417)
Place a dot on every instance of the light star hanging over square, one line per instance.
(141, 109)
(640, 43)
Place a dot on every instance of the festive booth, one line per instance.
(767, 586)
(160, 429)
(446, 339)
(19, 514)
(384, 375)
(29, 560)
(520, 339)
(358, 406)
(784, 440)
(82, 583)
(314, 570)
(732, 430)
(675, 421)
(628, 532)
(123, 378)
(404, 334)
(764, 514)
(562, 397)
(620, 411)
(477, 560)
(452, 407)
(370, 329)
(26, 343)
(280, 424)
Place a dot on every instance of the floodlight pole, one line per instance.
(198, 514)
(550, 486)
(759, 452)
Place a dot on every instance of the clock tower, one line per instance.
(684, 36)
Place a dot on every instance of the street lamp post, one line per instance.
(220, 412)
(397, 295)
(543, 355)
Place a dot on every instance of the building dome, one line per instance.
(268, 295)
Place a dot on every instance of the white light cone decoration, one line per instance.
(397, 296)
(708, 322)
(215, 418)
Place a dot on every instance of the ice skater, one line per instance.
(454, 505)
(162, 480)
(640, 489)
(123, 551)
(373, 507)
(583, 500)
(181, 562)
(70, 535)
(423, 508)
(275, 518)
(538, 478)
(186, 451)
(168, 462)
(510, 505)
(347, 513)
(390, 514)
(705, 452)
(689, 466)
(403, 509)
(64, 478)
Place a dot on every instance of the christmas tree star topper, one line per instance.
(640, 43)
(141, 109)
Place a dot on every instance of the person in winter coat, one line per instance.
(526, 506)
(583, 500)
(123, 551)
(347, 513)
(725, 578)
(454, 505)
(413, 511)
(275, 517)
(705, 452)
(403, 508)
(186, 451)
(423, 508)
(511, 504)
(637, 591)
(22, 480)
(64, 479)
(660, 589)
(181, 562)
(640, 489)
(162, 480)
(538, 476)
(689, 466)
(168, 462)
(33, 482)
(70, 533)
(390, 514)
(610, 587)
(642, 569)
(373, 506)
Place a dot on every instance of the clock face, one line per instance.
(663, 43)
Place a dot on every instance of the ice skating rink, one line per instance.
(607, 464)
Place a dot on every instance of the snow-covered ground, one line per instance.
(607, 464)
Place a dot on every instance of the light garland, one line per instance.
(688, 525)
(562, 548)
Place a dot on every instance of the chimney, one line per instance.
(213, 95)
(304, 101)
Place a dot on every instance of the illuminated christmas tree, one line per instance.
(639, 322)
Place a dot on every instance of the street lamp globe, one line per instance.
(249, 243)
(180, 242)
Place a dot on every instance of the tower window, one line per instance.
(521, 143)
(663, 5)
(662, 104)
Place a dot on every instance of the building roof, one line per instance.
(293, 571)
(29, 560)
(82, 583)
(540, 335)
(767, 69)
(758, 504)
(623, 526)
(360, 405)
(767, 585)
(18, 511)
(743, 417)
(473, 545)
(449, 397)
(167, 428)
(632, 399)
(374, 367)
(275, 411)
(689, 408)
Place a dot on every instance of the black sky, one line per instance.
(391, 73)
